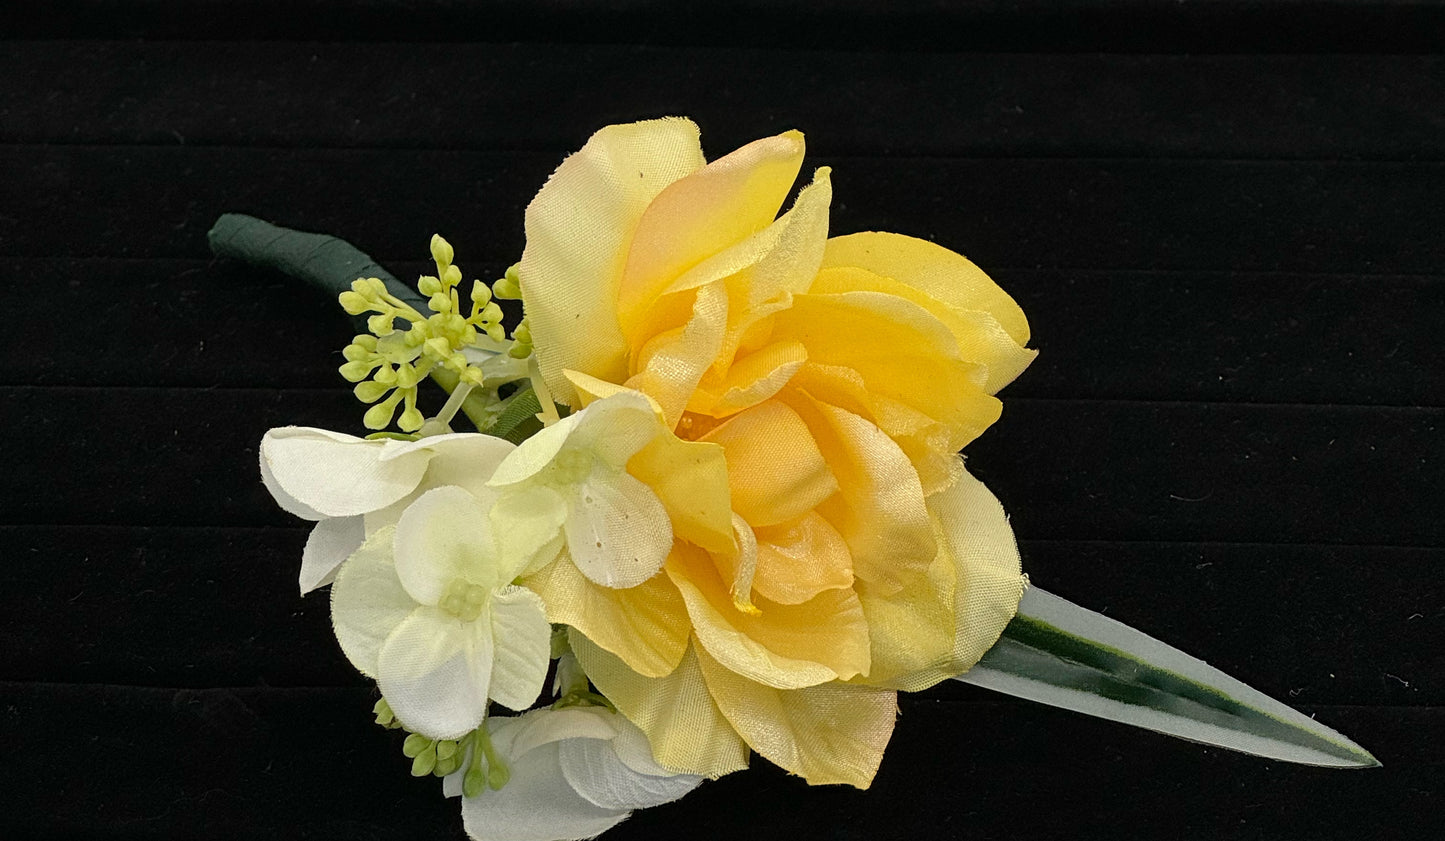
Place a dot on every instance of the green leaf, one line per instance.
(1063, 655)
(519, 419)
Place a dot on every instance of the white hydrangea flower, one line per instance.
(573, 773)
(427, 607)
(618, 532)
(351, 486)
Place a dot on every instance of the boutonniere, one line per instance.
(703, 502)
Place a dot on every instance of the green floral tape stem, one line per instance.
(326, 262)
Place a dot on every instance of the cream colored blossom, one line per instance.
(428, 608)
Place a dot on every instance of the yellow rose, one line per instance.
(830, 548)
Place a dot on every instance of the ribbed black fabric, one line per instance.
(1224, 221)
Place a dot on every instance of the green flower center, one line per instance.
(464, 600)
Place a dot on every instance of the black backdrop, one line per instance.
(1225, 221)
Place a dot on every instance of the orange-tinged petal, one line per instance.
(703, 213)
(880, 508)
(800, 559)
(579, 231)
(687, 731)
(646, 626)
(933, 269)
(775, 469)
(781, 258)
(931, 446)
(784, 646)
(979, 335)
(750, 380)
(833, 733)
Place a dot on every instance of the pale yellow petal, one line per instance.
(880, 508)
(646, 626)
(579, 231)
(989, 583)
(687, 731)
(691, 480)
(670, 365)
(829, 734)
(703, 213)
(775, 469)
(981, 338)
(591, 389)
(800, 559)
(972, 591)
(785, 646)
(911, 631)
(933, 269)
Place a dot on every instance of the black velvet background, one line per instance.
(1226, 222)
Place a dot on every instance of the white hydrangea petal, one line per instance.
(435, 670)
(522, 647)
(595, 771)
(338, 475)
(527, 522)
(452, 783)
(536, 453)
(288, 503)
(635, 751)
(443, 536)
(543, 727)
(618, 532)
(614, 428)
(467, 460)
(330, 542)
(536, 804)
(368, 602)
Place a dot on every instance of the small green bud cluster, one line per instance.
(472, 754)
(393, 362)
(384, 716)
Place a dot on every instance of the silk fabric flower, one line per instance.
(352, 486)
(573, 773)
(833, 549)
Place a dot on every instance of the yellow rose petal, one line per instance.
(880, 508)
(800, 559)
(775, 469)
(933, 269)
(750, 380)
(691, 479)
(688, 734)
(834, 733)
(579, 229)
(703, 213)
(981, 338)
(901, 351)
(990, 581)
(785, 646)
(912, 630)
(646, 626)
(672, 363)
